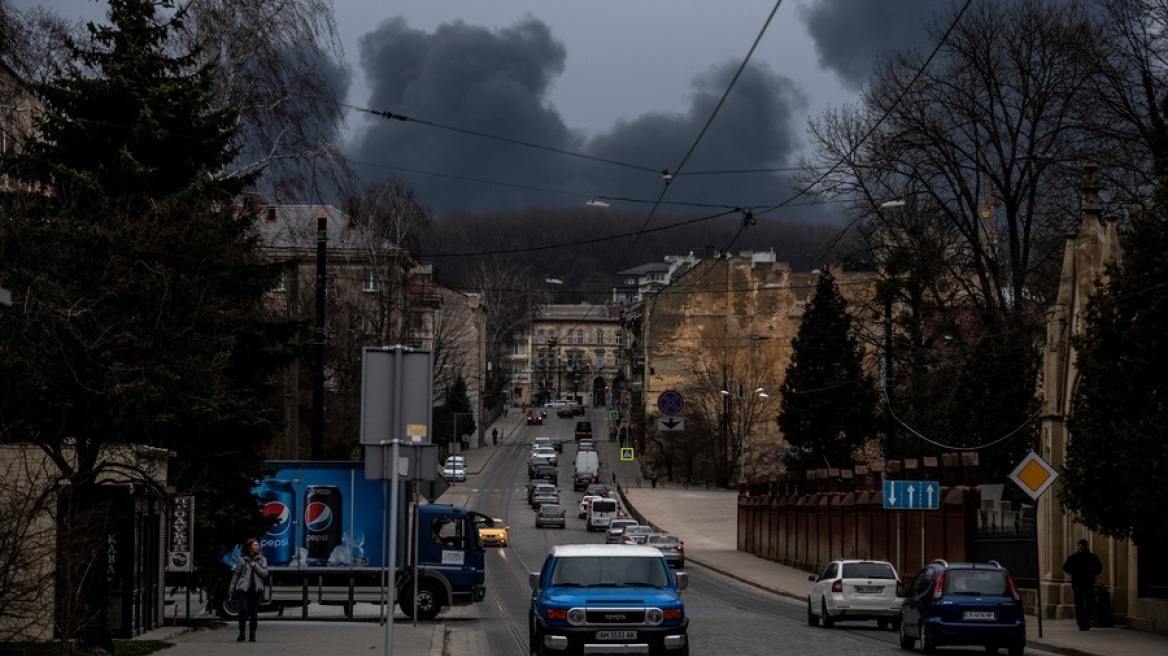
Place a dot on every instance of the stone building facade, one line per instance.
(1086, 255)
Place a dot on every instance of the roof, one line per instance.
(605, 550)
(652, 267)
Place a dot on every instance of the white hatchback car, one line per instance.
(859, 590)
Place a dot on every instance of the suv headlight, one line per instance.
(654, 616)
(576, 616)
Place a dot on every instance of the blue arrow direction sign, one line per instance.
(915, 495)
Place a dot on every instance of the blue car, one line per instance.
(963, 604)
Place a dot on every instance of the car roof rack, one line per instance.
(939, 561)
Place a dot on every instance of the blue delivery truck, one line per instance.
(329, 537)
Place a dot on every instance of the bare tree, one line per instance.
(728, 405)
(509, 301)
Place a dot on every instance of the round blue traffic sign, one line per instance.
(670, 402)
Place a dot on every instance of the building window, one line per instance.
(540, 338)
(330, 283)
(619, 337)
(372, 281)
(281, 284)
(599, 359)
(579, 335)
(599, 336)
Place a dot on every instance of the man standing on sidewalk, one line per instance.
(1083, 566)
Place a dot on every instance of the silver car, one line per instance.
(855, 590)
(636, 534)
(550, 514)
(616, 530)
(670, 546)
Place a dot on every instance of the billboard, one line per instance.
(326, 514)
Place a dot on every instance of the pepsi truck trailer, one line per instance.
(328, 543)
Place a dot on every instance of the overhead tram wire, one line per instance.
(507, 140)
(511, 185)
(899, 98)
(668, 174)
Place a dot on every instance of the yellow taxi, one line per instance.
(493, 533)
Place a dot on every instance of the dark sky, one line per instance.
(502, 80)
(498, 82)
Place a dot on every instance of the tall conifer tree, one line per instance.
(138, 294)
(828, 402)
(1115, 480)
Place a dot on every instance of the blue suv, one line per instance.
(963, 604)
(607, 599)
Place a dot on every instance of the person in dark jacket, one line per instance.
(247, 586)
(1083, 566)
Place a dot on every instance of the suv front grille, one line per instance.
(615, 615)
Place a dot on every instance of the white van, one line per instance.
(586, 461)
(600, 512)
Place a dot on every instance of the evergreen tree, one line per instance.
(1115, 481)
(138, 291)
(828, 408)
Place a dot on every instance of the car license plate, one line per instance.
(616, 635)
(978, 615)
(869, 589)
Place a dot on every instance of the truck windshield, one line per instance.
(609, 571)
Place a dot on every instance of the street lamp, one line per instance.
(740, 440)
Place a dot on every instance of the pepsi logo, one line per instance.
(281, 513)
(318, 516)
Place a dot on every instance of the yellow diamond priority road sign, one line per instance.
(1033, 475)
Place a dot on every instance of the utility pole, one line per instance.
(319, 340)
(889, 422)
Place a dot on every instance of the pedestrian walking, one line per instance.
(495, 436)
(247, 586)
(1083, 566)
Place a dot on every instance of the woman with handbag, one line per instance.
(247, 586)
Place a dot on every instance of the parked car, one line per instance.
(670, 546)
(583, 430)
(855, 590)
(550, 514)
(616, 530)
(577, 409)
(565, 412)
(535, 417)
(494, 532)
(963, 604)
(636, 534)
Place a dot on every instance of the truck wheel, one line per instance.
(227, 608)
(426, 605)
